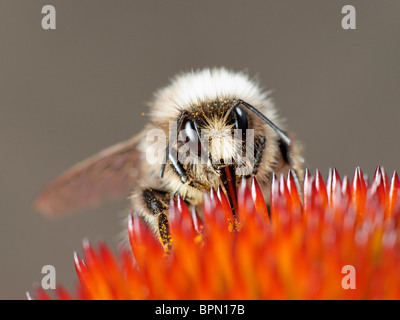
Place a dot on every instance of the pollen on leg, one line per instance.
(163, 232)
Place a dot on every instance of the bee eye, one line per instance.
(241, 121)
(191, 136)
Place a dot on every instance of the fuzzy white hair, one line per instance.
(196, 87)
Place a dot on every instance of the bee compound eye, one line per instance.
(241, 121)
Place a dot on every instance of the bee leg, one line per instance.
(157, 204)
(198, 185)
(177, 167)
(163, 231)
(182, 174)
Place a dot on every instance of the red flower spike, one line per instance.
(366, 181)
(174, 217)
(294, 194)
(133, 278)
(309, 193)
(378, 187)
(213, 213)
(275, 200)
(184, 240)
(90, 257)
(245, 203)
(97, 271)
(28, 296)
(385, 179)
(334, 186)
(377, 175)
(41, 294)
(187, 221)
(283, 189)
(180, 219)
(274, 193)
(358, 191)
(279, 204)
(329, 183)
(393, 194)
(143, 242)
(113, 274)
(88, 284)
(258, 200)
(346, 189)
(360, 182)
(284, 194)
(380, 174)
(139, 233)
(225, 203)
(220, 207)
(62, 294)
(82, 294)
(320, 186)
(294, 256)
(218, 244)
(197, 223)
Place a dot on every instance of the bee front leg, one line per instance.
(182, 174)
(177, 167)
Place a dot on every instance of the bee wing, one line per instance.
(109, 174)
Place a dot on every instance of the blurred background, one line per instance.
(65, 94)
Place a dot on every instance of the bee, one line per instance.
(233, 107)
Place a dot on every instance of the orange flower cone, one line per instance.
(298, 251)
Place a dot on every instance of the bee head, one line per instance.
(217, 135)
(211, 142)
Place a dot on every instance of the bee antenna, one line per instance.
(283, 136)
(182, 117)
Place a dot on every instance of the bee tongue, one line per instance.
(228, 179)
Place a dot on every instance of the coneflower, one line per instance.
(300, 249)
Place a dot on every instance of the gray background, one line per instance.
(68, 93)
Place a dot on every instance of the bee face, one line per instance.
(225, 128)
(219, 144)
(211, 137)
